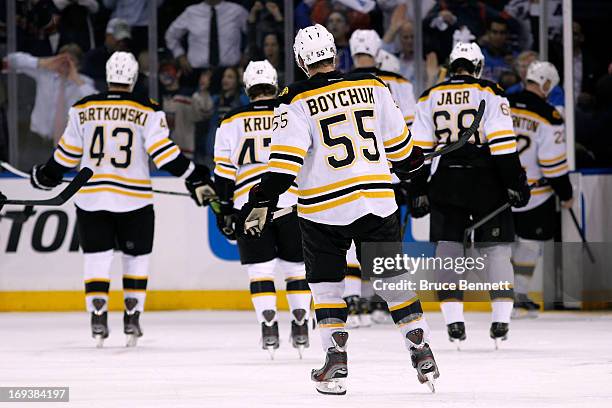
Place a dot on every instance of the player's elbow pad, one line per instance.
(562, 186)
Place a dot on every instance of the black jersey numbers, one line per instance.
(370, 152)
(448, 127)
(96, 150)
(249, 150)
(523, 143)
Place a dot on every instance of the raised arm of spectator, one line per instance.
(397, 19)
(25, 63)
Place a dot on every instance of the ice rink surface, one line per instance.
(213, 359)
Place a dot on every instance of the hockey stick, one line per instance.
(582, 237)
(23, 174)
(75, 184)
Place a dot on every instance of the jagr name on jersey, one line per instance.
(113, 113)
(345, 97)
(454, 98)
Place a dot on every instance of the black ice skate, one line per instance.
(269, 333)
(330, 379)
(131, 324)
(365, 317)
(456, 333)
(499, 331)
(379, 310)
(423, 359)
(524, 307)
(352, 304)
(299, 331)
(99, 322)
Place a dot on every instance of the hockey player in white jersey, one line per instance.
(114, 134)
(335, 134)
(471, 182)
(242, 147)
(540, 136)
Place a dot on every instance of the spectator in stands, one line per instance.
(213, 29)
(355, 12)
(450, 15)
(58, 86)
(556, 96)
(230, 97)
(338, 26)
(182, 107)
(272, 51)
(136, 14)
(264, 17)
(37, 26)
(75, 22)
(116, 39)
(496, 50)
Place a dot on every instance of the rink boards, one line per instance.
(192, 266)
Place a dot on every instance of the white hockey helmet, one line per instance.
(365, 42)
(470, 52)
(388, 62)
(122, 68)
(313, 44)
(544, 74)
(258, 73)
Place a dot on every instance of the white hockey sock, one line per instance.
(135, 279)
(330, 309)
(452, 312)
(501, 311)
(352, 286)
(298, 291)
(263, 292)
(96, 273)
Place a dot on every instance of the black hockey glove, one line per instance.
(411, 166)
(42, 179)
(402, 194)
(257, 212)
(226, 220)
(419, 206)
(519, 196)
(200, 186)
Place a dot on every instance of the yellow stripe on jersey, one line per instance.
(344, 200)
(250, 172)
(555, 170)
(561, 157)
(531, 114)
(70, 148)
(161, 158)
(247, 114)
(402, 154)
(409, 118)
(500, 133)
(133, 104)
(330, 305)
(219, 159)
(344, 183)
(288, 149)
(90, 190)
(285, 166)
(451, 87)
(511, 145)
(422, 143)
(120, 178)
(158, 144)
(225, 171)
(71, 162)
(334, 87)
(398, 139)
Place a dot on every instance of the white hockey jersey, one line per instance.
(114, 134)
(336, 134)
(242, 147)
(541, 143)
(450, 107)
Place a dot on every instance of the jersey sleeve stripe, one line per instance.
(553, 160)
(409, 118)
(557, 171)
(223, 172)
(170, 154)
(71, 148)
(503, 139)
(500, 133)
(157, 144)
(288, 149)
(402, 154)
(398, 146)
(68, 154)
(286, 158)
(242, 175)
(504, 148)
(161, 150)
(63, 160)
(219, 159)
(293, 169)
(397, 139)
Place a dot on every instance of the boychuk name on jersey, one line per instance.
(345, 97)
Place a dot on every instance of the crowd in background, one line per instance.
(204, 45)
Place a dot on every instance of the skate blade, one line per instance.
(457, 341)
(336, 386)
(430, 382)
(99, 340)
(352, 322)
(300, 350)
(271, 350)
(365, 321)
(132, 340)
